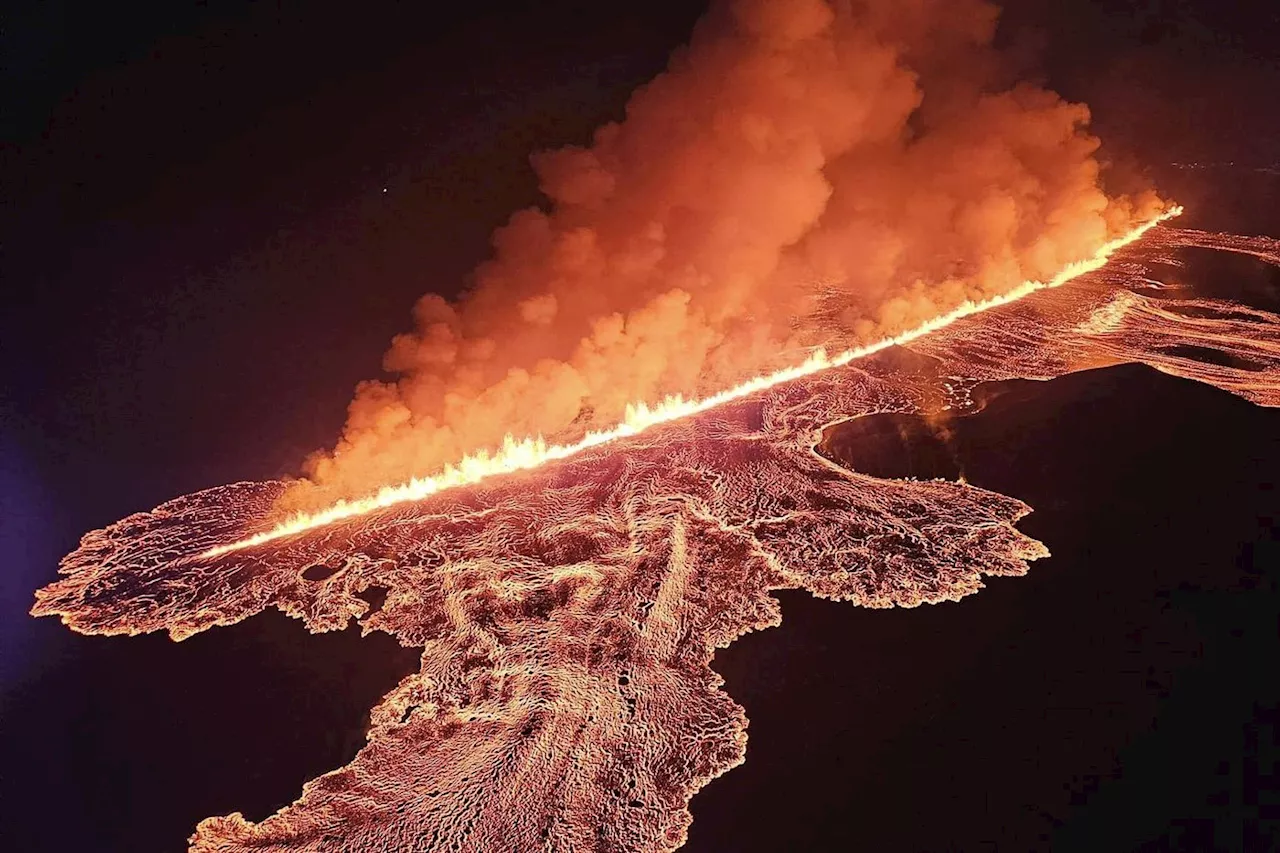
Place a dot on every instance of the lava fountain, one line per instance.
(522, 454)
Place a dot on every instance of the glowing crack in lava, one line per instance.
(522, 454)
(568, 616)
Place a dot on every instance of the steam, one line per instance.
(804, 173)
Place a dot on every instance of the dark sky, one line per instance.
(216, 215)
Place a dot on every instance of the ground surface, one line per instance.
(1116, 692)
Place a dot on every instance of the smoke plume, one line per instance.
(804, 173)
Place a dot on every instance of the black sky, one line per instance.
(216, 215)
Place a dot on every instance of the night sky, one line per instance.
(217, 215)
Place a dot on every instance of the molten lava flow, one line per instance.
(522, 454)
(568, 619)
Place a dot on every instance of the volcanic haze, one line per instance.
(803, 174)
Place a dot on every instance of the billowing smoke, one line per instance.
(804, 173)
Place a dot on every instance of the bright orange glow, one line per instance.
(525, 453)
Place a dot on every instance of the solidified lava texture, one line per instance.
(567, 616)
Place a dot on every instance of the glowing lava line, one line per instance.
(519, 455)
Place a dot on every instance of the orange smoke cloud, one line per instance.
(804, 173)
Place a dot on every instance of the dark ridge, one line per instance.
(320, 572)
(900, 360)
(1119, 697)
(1209, 355)
(1229, 275)
(375, 597)
(1210, 312)
(892, 445)
(135, 740)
